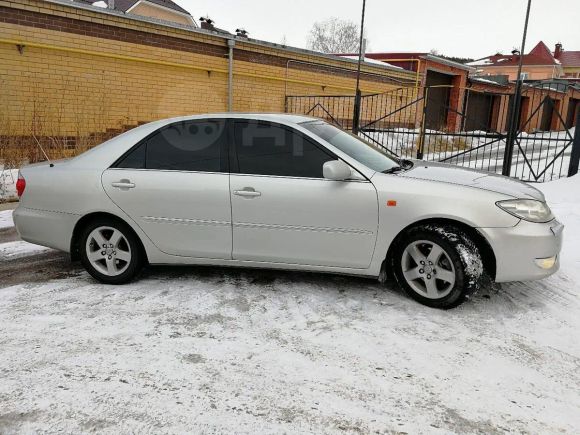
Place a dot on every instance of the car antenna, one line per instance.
(42, 149)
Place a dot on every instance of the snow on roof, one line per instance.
(539, 55)
(480, 62)
(373, 61)
(480, 79)
(126, 5)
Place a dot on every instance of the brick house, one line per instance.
(539, 64)
(558, 73)
(445, 79)
(570, 61)
(165, 10)
(463, 98)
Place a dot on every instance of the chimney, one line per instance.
(558, 50)
(207, 23)
(111, 4)
(241, 33)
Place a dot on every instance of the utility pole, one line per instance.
(357, 96)
(515, 107)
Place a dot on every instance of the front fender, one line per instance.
(405, 201)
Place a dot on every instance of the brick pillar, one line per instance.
(555, 123)
(495, 112)
(456, 95)
(524, 114)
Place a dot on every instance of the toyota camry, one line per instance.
(285, 192)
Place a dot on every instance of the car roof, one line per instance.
(284, 118)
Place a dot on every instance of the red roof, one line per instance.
(539, 55)
(541, 51)
(569, 58)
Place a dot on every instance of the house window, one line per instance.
(524, 76)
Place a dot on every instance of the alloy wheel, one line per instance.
(108, 251)
(428, 269)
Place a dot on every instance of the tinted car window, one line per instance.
(187, 146)
(135, 159)
(184, 146)
(354, 146)
(268, 149)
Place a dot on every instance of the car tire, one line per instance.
(438, 266)
(110, 251)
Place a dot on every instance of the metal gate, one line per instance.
(468, 129)
(546, 147)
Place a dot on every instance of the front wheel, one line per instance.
(110, 251)
(438, 266)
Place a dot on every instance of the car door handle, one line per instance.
(246, 192)
(123, 184)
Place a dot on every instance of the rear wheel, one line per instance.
(110, 251)
(438, 266)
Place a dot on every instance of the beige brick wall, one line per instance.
(71, 81)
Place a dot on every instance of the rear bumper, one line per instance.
(518, 248)
(46, 228)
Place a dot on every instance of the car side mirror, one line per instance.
(336, 170)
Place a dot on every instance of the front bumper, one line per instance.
(518, 248)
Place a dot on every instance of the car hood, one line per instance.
(469, 177)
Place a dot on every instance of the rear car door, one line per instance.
(284, 211)
(175, 185)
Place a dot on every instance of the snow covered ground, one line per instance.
(228, 350)
(18, 249)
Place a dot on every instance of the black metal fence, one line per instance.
(337, 109)
(544, 140)
(467, 128)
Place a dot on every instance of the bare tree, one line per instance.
(334, 36)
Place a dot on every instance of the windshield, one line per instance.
(352, 145)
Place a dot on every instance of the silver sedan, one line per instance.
(285, 192)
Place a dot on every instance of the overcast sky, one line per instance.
(466, 28)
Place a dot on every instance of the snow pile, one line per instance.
(19, 249)
(6, 219)
(8, 179)
(563, 197)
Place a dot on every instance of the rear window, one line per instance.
(135, 159)
(183, 146)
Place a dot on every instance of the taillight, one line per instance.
(20, 185)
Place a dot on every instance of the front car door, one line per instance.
(284, 211)
(175, 185)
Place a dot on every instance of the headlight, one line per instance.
(527, 209)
